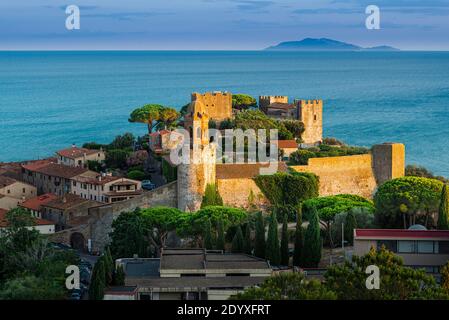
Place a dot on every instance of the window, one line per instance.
(406, 246)
(9, 191)
(74, 183)
(391, 245)
(443, 247)
(23, 190)
(425, 247)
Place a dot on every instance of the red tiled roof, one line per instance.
(34, 165)
(57, 170)
(281, 105)
(400, 233)
(287, 144)
(36, 202)
(75, 152)
(6, 181)
(96, 180)
(38, 222)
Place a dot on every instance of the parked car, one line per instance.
(148, 185)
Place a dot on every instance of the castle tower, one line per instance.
(193, 177)
(217, 105)
(388, 161)
(310, 112)
(265, 101)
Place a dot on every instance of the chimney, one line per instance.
(64, 199)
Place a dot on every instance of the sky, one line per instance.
(219, 24)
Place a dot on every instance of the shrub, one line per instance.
(302, 156)
(136, 175)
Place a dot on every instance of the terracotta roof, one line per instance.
(123, 193)
(36, 202)
(75, 152)
(6, 181)
(281, 105)
(244, 170)
(97, 180)
(287, 144)
(38, 222)
(69, 201)
(34, 165)
(57, 170)
(125, 182)
(400, 233)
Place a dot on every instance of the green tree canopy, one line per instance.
(397, 282)
(243, 101)
(272, 251)
(288, 188)
(211, 196)
(405, 201)
(154, 115)
(443, 211)
(259, 247)
(311, 254)
(287, 286)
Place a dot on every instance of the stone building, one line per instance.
(41, 225)
(79, 157)
(14, 192)
(310, 113)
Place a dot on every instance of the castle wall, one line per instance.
(236, 193)
(359, 174)
(265, 101)
(349, 174)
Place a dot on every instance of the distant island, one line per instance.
(323, 44)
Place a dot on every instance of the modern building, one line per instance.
(194, 274)
(65, 211)
(34, 205)
(41, 225)
(418, 247)
(14, 192)
(79, 157)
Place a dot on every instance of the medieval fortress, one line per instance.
(358, 174)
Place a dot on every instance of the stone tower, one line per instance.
(310, 112)
(194, 176)
(388, 161)
(217, 105)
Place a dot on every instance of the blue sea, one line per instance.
(49, 100)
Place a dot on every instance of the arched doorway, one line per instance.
(77, 241)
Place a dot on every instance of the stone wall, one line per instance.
(310, 112)
(238, 193)
(350, 174)
(100, 218)
(359, 174)
(218, 105)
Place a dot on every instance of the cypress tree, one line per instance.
(443, 212)
(350, 225)
(259, 248)
(312, 242)
(208, 236)
(247, 246)
(237, 241)
(284, 242)
(299, 239)
(273, 253)
(119, 276)
(220, 236)
(97, 285)
(211, 196)
(109, 266)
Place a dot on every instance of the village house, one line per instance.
(194, 274)
(14, 192)
(65, 211)
(286, 148)
(79, 157)
(106, 188)
(41, 225)
(50, 177)
(34, 205)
